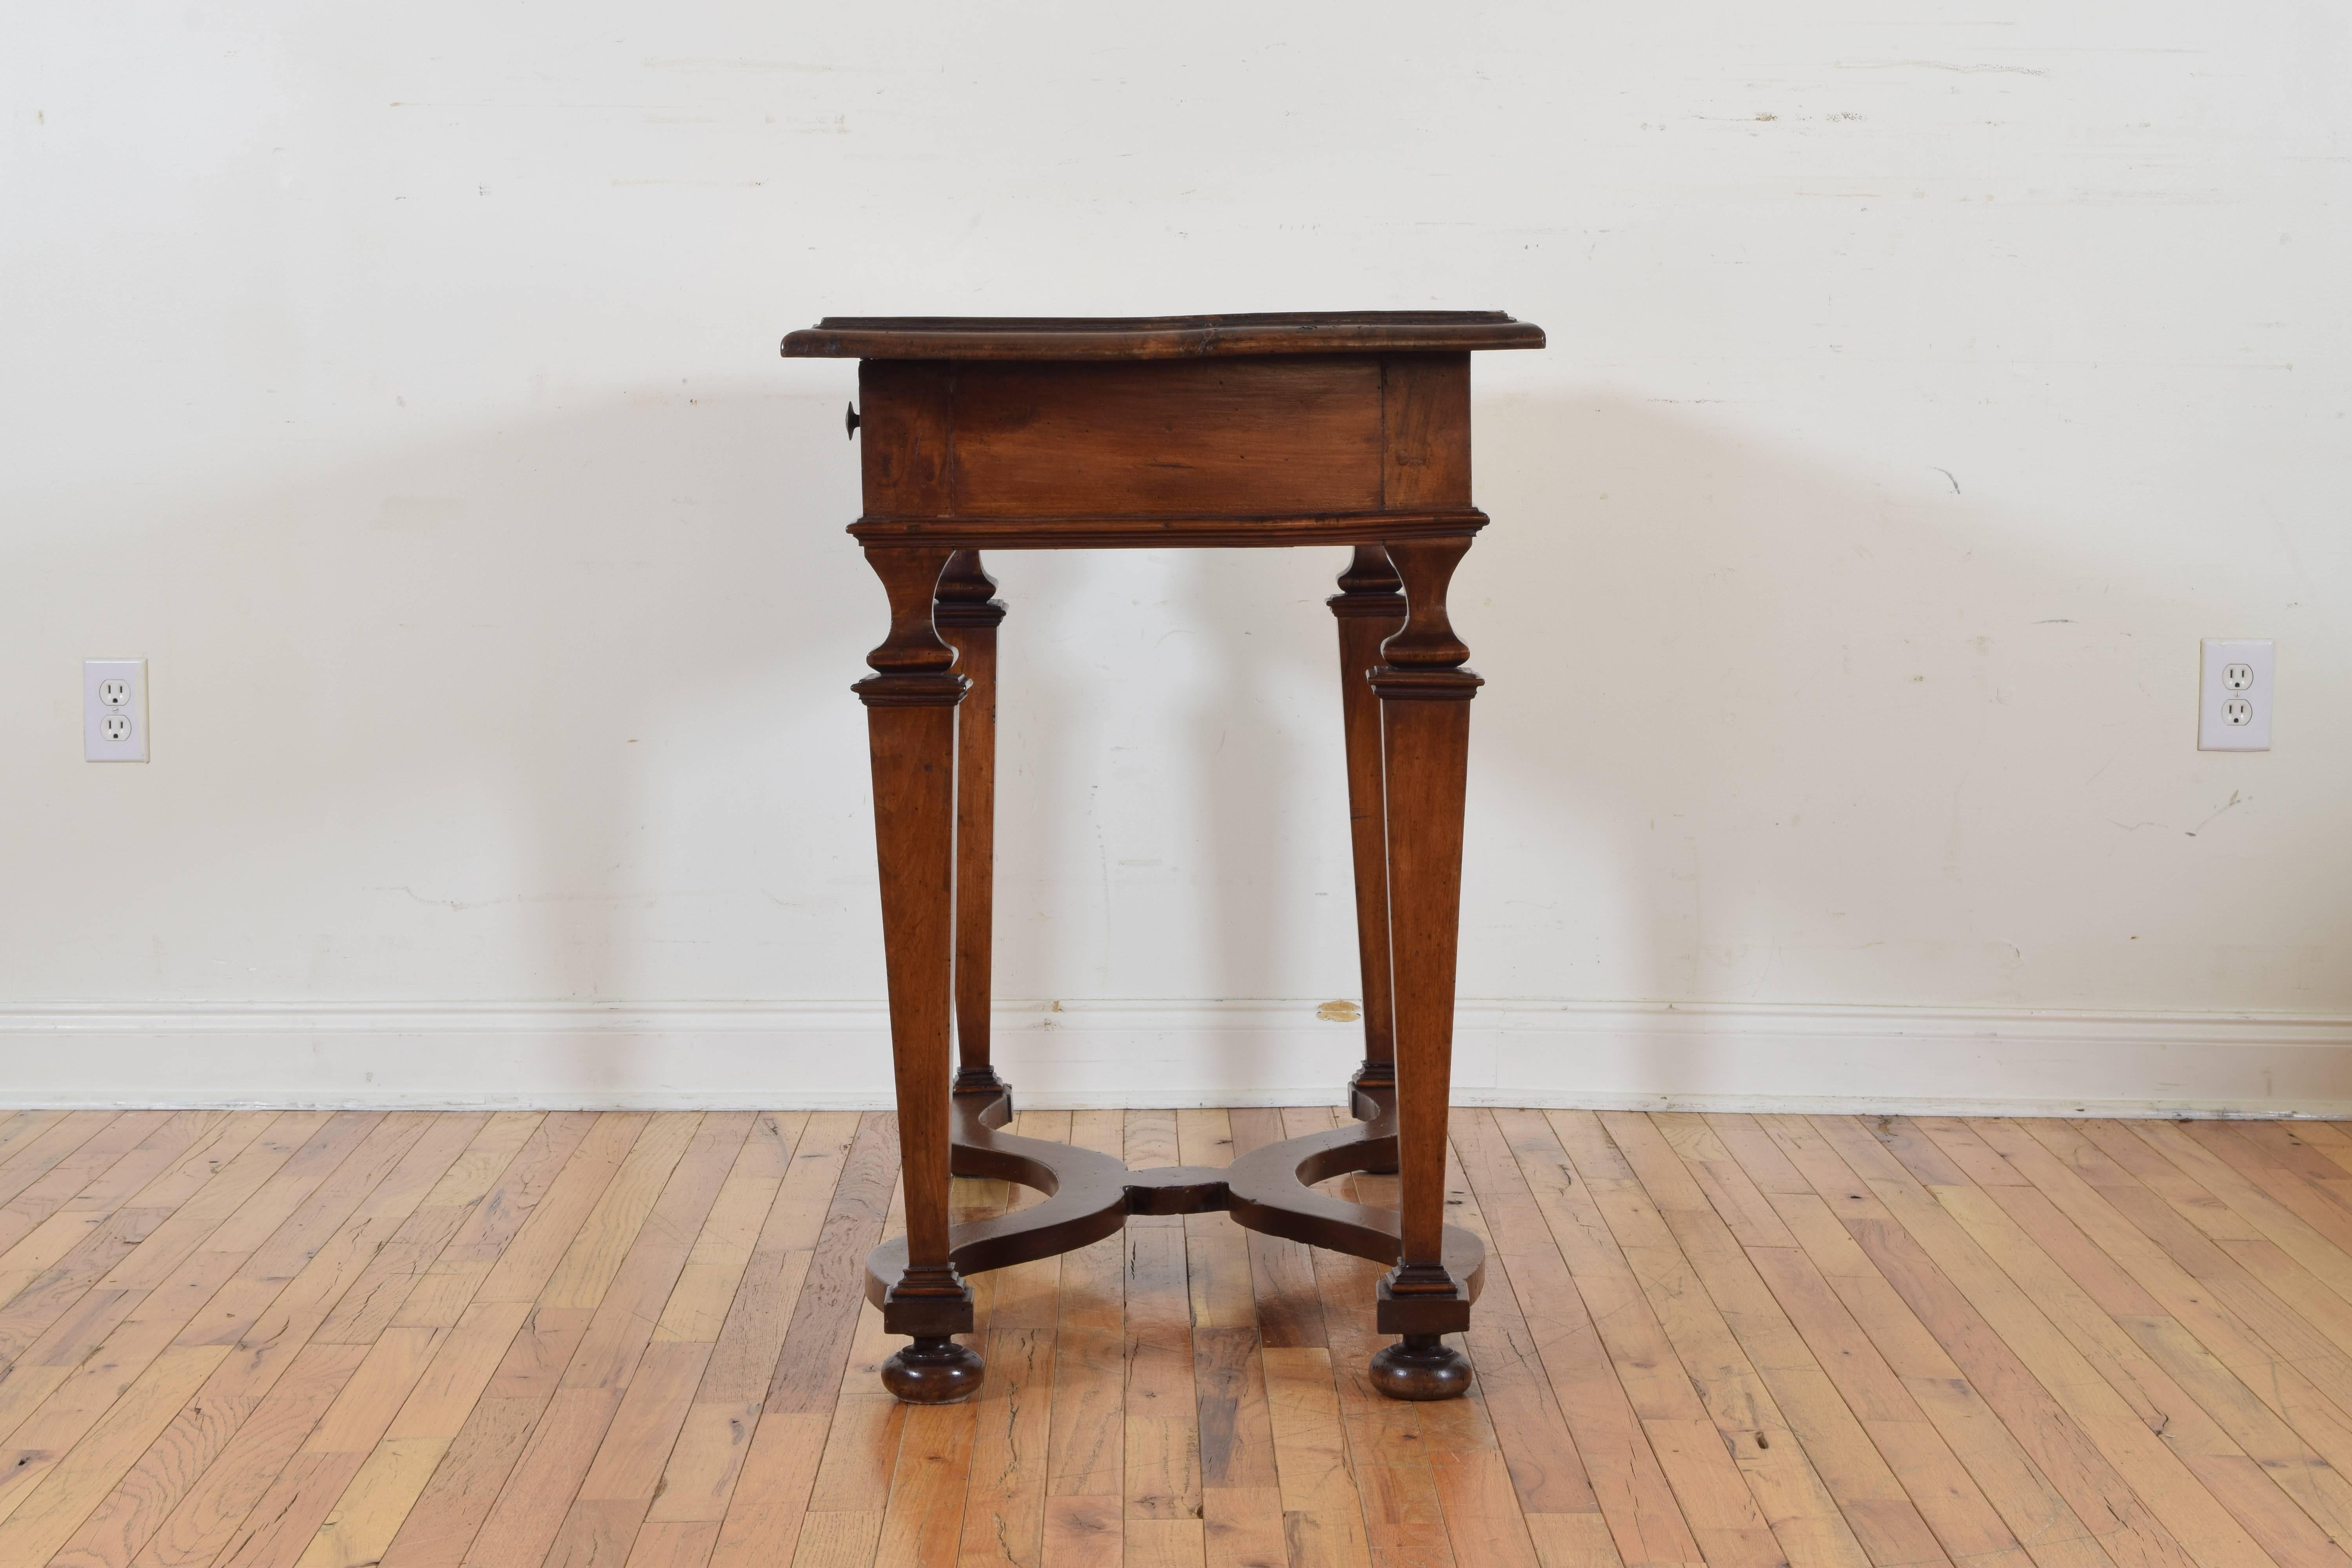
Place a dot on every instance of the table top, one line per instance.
(1160, 337)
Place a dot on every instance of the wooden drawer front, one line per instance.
(1175, 439)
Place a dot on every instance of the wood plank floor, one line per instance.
(354, 1340)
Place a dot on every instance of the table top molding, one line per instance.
(1149, 533)
(1160, 337)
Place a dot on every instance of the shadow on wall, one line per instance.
(1759, 732)
(523, 714)
(581, 731)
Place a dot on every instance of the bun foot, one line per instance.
(1420, 1366)
(933, 1371)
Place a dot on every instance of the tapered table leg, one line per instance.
(1425, 693)
(911, 702)
(1368, 608)
(966, 616)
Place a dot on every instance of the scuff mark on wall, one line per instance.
(2233, 801)
(1970, 70)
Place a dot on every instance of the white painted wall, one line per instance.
(402, 383)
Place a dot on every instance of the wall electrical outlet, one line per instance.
(114, 710)
(2233, 705)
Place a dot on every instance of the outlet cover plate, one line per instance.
(114, 710)
(2235, 698)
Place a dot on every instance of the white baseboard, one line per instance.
(1644, 1056)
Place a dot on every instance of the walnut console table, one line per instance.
(1185, 430)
